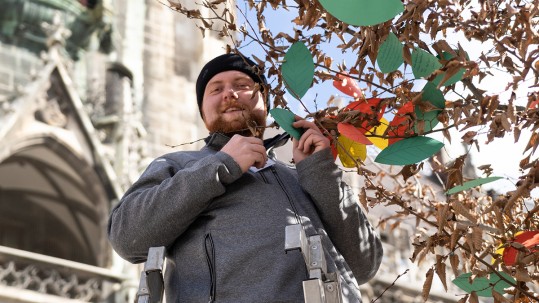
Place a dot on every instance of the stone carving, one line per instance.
(53, 282)
(51, 114)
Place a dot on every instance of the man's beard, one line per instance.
(248, 124)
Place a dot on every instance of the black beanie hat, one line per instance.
(225, 63)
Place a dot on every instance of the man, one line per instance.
(221, 212)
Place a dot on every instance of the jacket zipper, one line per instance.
(210, 259)
(292, 205)
(261, 173)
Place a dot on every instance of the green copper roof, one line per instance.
(22, 23)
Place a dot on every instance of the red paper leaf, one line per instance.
(352, 133)
(334, 151)
(348, 86)
(401, 125)
(333, 147)
(533, 240)
(367, 107)
(530, 239)
(534, 104)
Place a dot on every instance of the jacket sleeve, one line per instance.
(165, 200)
(343, 219)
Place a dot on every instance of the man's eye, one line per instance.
(244, 86)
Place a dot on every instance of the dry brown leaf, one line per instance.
(455, 236)
(460, 209)
(463, 299)
(442, 217)
(363, 199)
(408, 171)
(469, 137)
(427, 285)
(477, 236)
(522, 275)
(532, 143)
(454, 172)
(473, 297)
(454, 260)
(498, 298)
(440, 270)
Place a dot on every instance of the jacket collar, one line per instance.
(216, 141)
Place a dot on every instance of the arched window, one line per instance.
(53, 203)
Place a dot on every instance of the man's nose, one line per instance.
(230, 92)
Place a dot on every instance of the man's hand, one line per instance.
(310, 142)
(246, 151)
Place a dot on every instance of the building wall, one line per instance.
(165, 55)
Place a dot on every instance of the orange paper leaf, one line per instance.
(367, 106)
(352, 133)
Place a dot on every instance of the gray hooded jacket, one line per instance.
(224, 230)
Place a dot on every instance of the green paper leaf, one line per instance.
(363, 12)
(471, 184)
(433, 96)
(390, 54)
(409, 151)
(298, 70)
(285, 118)
(453, 79)
(483, 286)
(424, 63)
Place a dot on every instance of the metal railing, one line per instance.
(48, 276)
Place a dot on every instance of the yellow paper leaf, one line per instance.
(379, 130)
(499, 251)
(347, 148)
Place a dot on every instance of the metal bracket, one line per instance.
(151, 287)
(321, 287)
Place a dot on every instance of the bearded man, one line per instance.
(221, 212)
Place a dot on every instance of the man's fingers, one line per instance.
(305, 124)
(260, 162)
(311, 141)
(246, 151)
